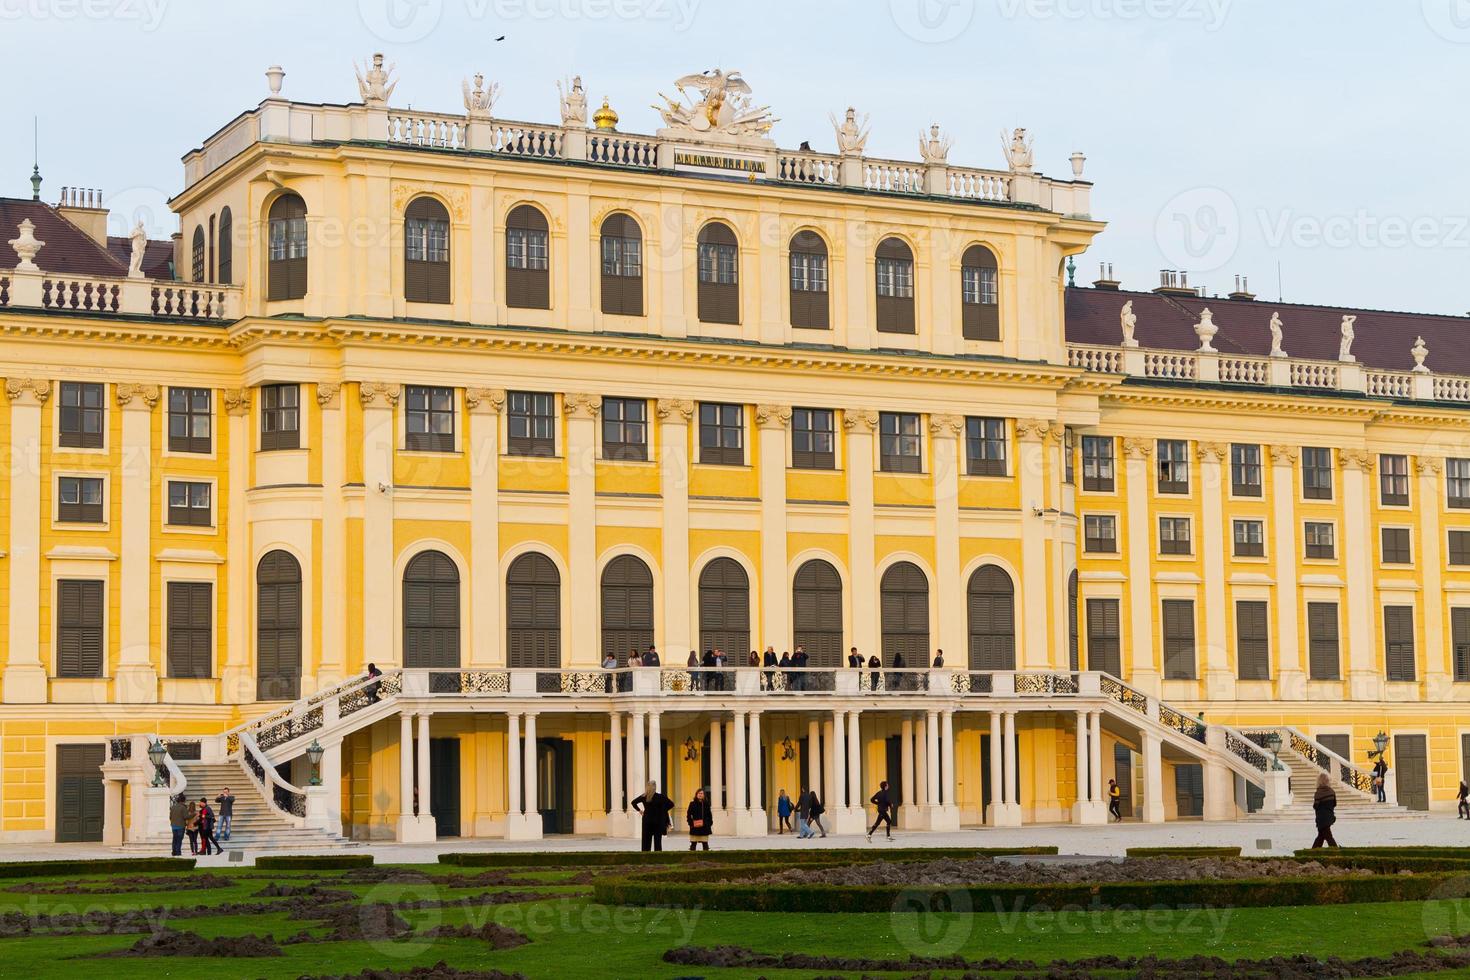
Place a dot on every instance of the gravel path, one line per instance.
(985, 871)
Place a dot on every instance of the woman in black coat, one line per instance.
(655, 808)
(1324, 804)
(701, 820)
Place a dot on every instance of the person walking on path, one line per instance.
(1464, 798)
(783, 813)
(817, 810)
(1115, 800)
(191, 827)
(226, 801)
(701, 820)
(1380, 779)
(804, 814)
(178, 816)
(1324, 804)
(655, 808)
(206, 827)
(885, 816)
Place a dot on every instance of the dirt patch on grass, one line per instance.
(118, 886)
(439, 971)
(171, 943)
(493, 935)
(317, 892)
(987, 872)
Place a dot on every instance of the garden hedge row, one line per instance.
(314, 862)
(101, 866)
(1413, 850)
(1184, 852)
(785, 858)
(1388, 864)
(653, 890)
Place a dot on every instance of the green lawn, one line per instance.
(573, 937)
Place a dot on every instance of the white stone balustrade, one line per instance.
(157, 298)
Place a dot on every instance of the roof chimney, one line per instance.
(1172, 282)
(1105, 278)
(82, 206)
(1243, 289)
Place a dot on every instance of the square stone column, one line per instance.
(237, 678)
(137, 674)
(25, 675)
(674, 415)
(486, 635)
(771, 422)
(583, 644)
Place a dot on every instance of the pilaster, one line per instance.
(1439, 656)
(238, 681)
(945, 432)
(25, 675)
(581, 411)
(378, 440)
(331, 665)
(485, 405)
(1035, 651)
(771, 421)
(1291, 682)
(1365, 682)
(674, 415)
(136, 677)
(1141, 663)
(859, 423)
(1218, 677)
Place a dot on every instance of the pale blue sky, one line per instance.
(1224, 136)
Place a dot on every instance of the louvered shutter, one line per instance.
(1179, 653)
(533, 614)
(719, 302)
(528, 288)
(190, 631)
(1324, 657)
(1398, 637)
(431, 617)
(979, 321)
(904, 614)
(895, 314)
(1460, 638)
(1252, 646)
(724, 606)
(1103, 635)
(992, 617)
(817, 613)
(287, 275)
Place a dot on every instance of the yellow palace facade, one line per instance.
(486, 403)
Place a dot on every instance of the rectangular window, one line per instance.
(1321, 540)
(1069, 455)
(525, 248)
(530, 423)
(1457, 483)
(813, 439)
(717, 263)
(188, 420)
(622, 256)
(625, 428)
(288, 239)
(1250, 539)
(1178, 639)
(429, 422)
(1316, 473)
(188, 503)
(1245, 470)
(426, 240)
(280, 417)
(978, 286)
(1173, 466)
(190, 629)
(82, 415)
(1393, 480)
(1460, 643)
(1396, 548)
(79, 606)
(1459, 547)
(1097, 464)
(1252, 645)
(985, 447)
(899, 448)
(1100, 534)
(1398, 642)
(895, 278)
(808, 272)
(79, 500)
(1174, 536)
(1323, 659)
(1104, 633)
(722, 434)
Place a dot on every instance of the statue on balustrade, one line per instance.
(573, 102)
(934, 148)
(374, 85)
(139, 239)
(1017, 150)
(1275, 326)
(723, 107)
(1129, 321)
(1345, 346)
(480, 101)
(852, 135)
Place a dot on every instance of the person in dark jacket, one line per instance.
(374, 690)
(226, 801)
(783, 813)
(854, 659)
(711, 678)
(206, 827)
(1380, 779)
(875, 666)
(885, 815)
(1464, 798)
(817, 809)
(178, 815)
(191, 827)
(799, 661)
(1324, 804)
(939, 658)
(701, 820)
(769, 659)
(804, 814)
(655, 808)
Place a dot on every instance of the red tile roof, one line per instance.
(68, 249)
(1382, 338)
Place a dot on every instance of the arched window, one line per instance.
(431, 611)
(809, 281)
(724, 608)
(719, 274)
(527, 259)
(979, 294)
(209, 274)
(627, 607)
(1073, 647)
(287, 251)
(894, 272)
(904, 615)
(533, 613)
(816, 613)
(226, 249)
(278, 627)
(196, 269)
(426, 251)
(992, 612)
(622, 266)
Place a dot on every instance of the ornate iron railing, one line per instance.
(286, 797)
(968, 682)
(885, 681)
(798, 680)
(289, 728)
(120, 749)
(1181, 723)
(1046, 682)
(1123, 694)
(369, 694)
(1244, 749)
(185, 749)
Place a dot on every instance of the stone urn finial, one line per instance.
(1205, 330)
(1419, 352)
(26, 247)
(274, 76)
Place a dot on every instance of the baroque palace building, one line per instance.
(484, 402)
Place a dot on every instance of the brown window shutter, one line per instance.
(979, 321)
(528, 288)
(817, 613)
(286, 276)
(809, 307)
(724, 607)
(894, 314)
(533, 613)
(427, 281)
(719, 302)
(992, 619)
(226, 248)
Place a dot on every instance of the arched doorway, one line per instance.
(724, 608)
(991, 599)
(904, 613)
(533, 613)
(816, 613)
(627, 607)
